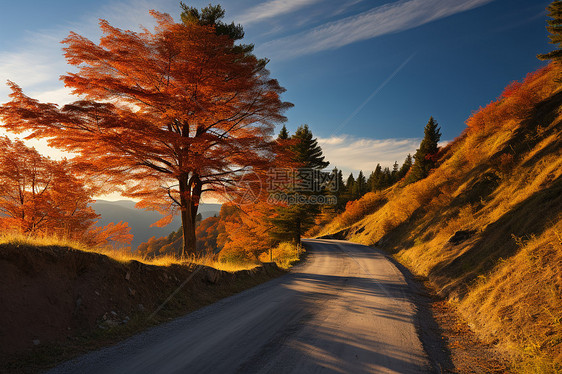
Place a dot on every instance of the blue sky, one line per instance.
(365, 75)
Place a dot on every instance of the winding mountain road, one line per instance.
(346, 309)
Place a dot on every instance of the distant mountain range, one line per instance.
(140, 220)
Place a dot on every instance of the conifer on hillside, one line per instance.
(555, 29)
(422, 160)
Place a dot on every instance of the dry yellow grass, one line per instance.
(520, 303)
(123, 256)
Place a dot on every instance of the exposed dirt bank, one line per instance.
(57, 302)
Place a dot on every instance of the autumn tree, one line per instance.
(163, 115)
(423, 162)
(40, 196)
(555, 29)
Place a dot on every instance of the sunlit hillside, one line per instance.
(485, 226)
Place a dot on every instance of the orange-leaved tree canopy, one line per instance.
(165, 114)
(40, 196)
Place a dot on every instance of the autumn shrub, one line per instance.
(358, 209)
(284, 255)
(516, 101)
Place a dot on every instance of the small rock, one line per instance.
(115, 314)
(97, 293)
(36, 342)
(128, 275)
(110, 323)
(140, 307)
(132, 292)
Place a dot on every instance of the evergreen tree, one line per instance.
(422, 162)
(405, 167)
(371, 182)
(386, 179)
(306, 149)
(394, 172)
(340, 183)
(360, 185)
(211, 16)
(340, 193)
(555, 29)
(350, 187)
(375, 179)
(283, 134)
(293, 220)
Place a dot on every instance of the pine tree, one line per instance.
(283, 134)
(555, 29)
(340, 193)
(350, 187)
(375, 179)
(360, 185)
(422, 162)
(405, 167)
(293, 220)
(211, 16)
(386, 180)
(394, 173)
(307, 151)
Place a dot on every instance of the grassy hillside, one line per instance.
(485, 227)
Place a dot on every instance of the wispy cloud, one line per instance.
(271, 9)
(352, 154)
(385, 19)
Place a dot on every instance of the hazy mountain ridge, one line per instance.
(140, 220)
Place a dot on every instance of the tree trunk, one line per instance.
(187, 222)
(188, 226)
(190, 194)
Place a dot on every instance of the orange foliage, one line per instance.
(207, 233)
(246, 231)
(111, 233)
(167, 115)
(516, 101)
(39, 196)
(357, 209)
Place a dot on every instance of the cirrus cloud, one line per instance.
(385, 19)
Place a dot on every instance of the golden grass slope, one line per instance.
(499, 183)
(123, 256)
